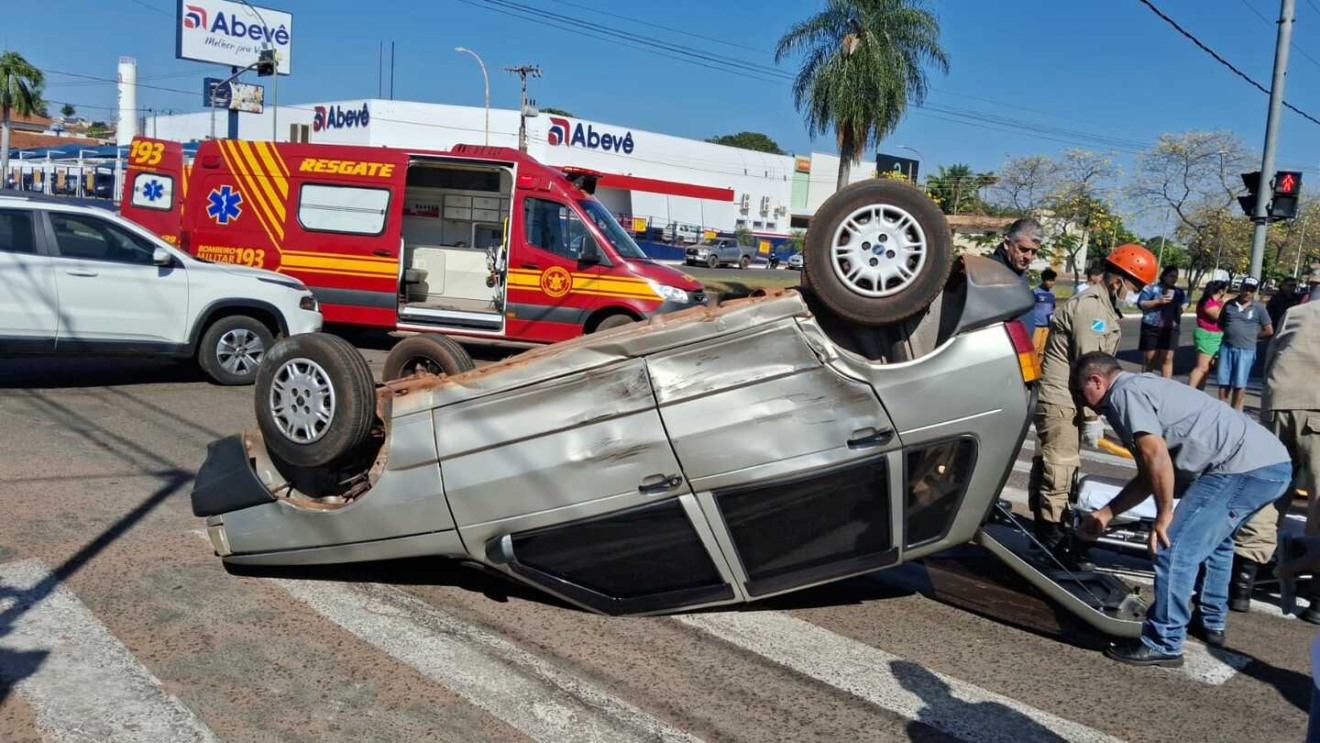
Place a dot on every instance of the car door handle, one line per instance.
(866, 438)
(656, 484)
(382, 253)
(81, 272)
(530, 265)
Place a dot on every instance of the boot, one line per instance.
(1242, 584)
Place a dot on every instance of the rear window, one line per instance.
(153, 191)
(347, 209)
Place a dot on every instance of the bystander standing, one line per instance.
(1208, 336)
(1161, 319)
(1044, 309)
(1245, 322)
(1094, 276)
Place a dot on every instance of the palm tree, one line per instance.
(67, 110)
(863, 62)
(957, 188)
(20, 91)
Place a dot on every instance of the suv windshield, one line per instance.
(622, 241)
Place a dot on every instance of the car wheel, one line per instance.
(428, 354)
(231, 349)
(614, 321)
(878, 252)
(315, 400)
(713, 262)
(744, 262)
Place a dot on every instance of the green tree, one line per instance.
(67, 110)
(98, 130)
(20, 93)
(957, 189)
(557, 112)
(743, 235)
(749, 141)
(795, 241)
(863, 62)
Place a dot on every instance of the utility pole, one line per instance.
(1287, 12)
(523, 71)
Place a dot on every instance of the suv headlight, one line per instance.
(670, 293)
(308, 302)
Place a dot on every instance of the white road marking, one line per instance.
(515, 686)
(1213, 666)
(946, 704)
(81, 683)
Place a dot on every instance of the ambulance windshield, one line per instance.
(622, 241)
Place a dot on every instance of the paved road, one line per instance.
(117, 623)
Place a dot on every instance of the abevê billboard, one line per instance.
(230, 33)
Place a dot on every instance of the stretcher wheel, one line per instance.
(878, 252)
(315, 400)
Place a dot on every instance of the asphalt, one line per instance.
(105, 577)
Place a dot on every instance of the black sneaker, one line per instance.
(1312, 613)
(1139, 654)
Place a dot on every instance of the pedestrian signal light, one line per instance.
(1287, 189)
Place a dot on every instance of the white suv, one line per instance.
(83, 280)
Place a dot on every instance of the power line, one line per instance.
(1192, 38)
(1268, 22)
(149, 6)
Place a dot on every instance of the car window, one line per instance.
(552, 226)
(93, 239)
(16, 233)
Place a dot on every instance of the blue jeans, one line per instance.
(1235, 366)
(1202, 532)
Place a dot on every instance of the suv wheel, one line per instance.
(232, 348)
(315, 400)
(713, 261)
(744, 262)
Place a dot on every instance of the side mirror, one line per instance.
(590, 252)
(162, 257)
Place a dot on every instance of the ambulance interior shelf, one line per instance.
(452, 215)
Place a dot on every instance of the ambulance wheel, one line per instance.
(315, 400)
(614, 321)
(713, 262)
(426, 354)
(878, 252)
(744, 262)
(232, 348)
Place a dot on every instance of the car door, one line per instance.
(549, 281)
(112, 291)
(795, 465)
(29, 300)
(572, 484)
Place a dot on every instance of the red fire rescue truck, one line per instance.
(478, 241)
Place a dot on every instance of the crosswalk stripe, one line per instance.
(515, 686)
(81, 682)
(946, 704)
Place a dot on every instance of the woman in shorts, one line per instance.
(1207, 336)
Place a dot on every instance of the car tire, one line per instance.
(432, 354)
(231, 349)
(315, 400)
(744, 262)
(906, 244)
(614, 321)
(713, 262)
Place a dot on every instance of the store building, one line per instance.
(652, 181)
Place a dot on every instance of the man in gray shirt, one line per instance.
(1227, 467)
(1244, 321)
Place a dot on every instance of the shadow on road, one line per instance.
(942, 707)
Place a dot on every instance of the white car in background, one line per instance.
(83, 280)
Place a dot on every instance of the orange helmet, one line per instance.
(1135, 261)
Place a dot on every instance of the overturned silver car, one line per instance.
(711, 456)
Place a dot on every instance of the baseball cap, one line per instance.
(1250, 284)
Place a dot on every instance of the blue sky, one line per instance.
(1082, 69)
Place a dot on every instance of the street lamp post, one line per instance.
(486, 79)
(919, 159)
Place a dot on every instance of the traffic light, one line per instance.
(266, 63)
(1287, 188)
(1248, 202)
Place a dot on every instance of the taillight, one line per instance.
(1026, 350)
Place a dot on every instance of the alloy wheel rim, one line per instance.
(239, 351)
